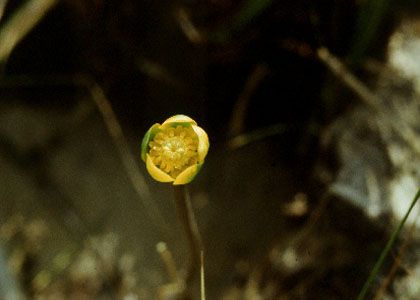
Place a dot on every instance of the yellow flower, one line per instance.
(175, 151)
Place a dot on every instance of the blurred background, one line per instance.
(312, 109)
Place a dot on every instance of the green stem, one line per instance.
(186, 217)
(386, 250)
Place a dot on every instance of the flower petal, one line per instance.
(187, 175)
(155, 172)
(203, 142)
(150, 134)
(178, 120)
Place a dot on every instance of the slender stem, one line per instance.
(186, 217)
(202, 280)
(386, 250)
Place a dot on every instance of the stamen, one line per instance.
(174, 149)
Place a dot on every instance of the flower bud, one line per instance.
(175, 151)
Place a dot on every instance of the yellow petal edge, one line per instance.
(150, 134)
(179, 119)
(187, 175)
(203, 142)
(157, 173)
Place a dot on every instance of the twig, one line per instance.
(158, 72)
(127, 158)
(188, 27)
(339, 69)
(113, 126)
(237, 121)
(386, 250)
(374, 102)
(2, 8)
(186, 217)
(22, 21)
(168, 261)
(314, 217)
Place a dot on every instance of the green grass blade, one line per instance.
(250, 10)
(368, 22)
(386, 250)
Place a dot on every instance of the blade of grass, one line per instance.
(255, 135)
(386, 250)
(380, 294)
(368, 21)
(249, 10)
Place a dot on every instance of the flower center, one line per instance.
(174, 149)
